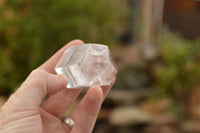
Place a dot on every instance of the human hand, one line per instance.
(23, 112)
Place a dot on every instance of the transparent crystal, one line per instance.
(87, 65)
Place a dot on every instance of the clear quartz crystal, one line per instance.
(87, 65)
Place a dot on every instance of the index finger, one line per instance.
(50, 64)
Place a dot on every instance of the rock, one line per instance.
(127, 96)
(192, 126)
(165, 119)
(160, 129)
(126, 116)
(87, 65)
(149, 51)
(156, 107)
(193, 102)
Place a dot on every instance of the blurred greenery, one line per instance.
(31, 31)
(132, 77)
(178, 71)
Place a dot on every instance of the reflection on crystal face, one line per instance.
(87, 65)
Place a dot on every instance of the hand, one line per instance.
(23, 112)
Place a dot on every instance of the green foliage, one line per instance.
(179, 70)
(32, 30)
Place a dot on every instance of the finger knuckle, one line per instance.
(38, 77)
(38, 72)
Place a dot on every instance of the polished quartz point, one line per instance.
(87, 65)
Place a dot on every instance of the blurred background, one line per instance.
(155, 44)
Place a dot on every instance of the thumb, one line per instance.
(38, 84)
(41, 83)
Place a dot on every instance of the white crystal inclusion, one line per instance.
(87, 65)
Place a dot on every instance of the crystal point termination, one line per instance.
(87, 65)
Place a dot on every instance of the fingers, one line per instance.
(87, 111)
(50, 64)
(63, 99)
(58, 104)
(36, 87)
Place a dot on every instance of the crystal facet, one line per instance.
(87, 65)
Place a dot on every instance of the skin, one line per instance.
(23, 113)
